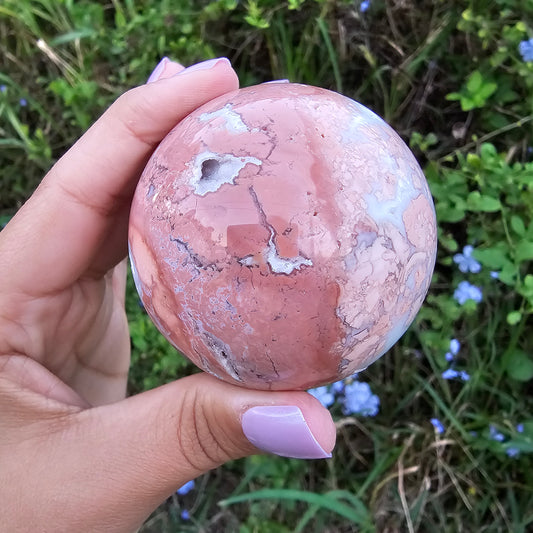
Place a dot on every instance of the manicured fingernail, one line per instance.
(204, 65)
(158, 70)
(277, 81)
(281, 429)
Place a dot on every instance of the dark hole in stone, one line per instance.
(224, 354)
(209, 169)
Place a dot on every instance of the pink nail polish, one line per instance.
(158, 70)
(204, 65)
(281, 429)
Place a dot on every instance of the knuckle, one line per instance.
(133, 110)
(203, 442)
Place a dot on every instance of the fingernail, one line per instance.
(158, 70)
(281, 429)
(204, 65)
(277, 81)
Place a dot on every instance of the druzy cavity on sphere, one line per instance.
(282, 236)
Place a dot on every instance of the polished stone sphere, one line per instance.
(282, 236)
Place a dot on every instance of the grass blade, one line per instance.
(331, 52)
(326, 501)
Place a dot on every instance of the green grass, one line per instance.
(448, 76)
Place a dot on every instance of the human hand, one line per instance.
(74, 454)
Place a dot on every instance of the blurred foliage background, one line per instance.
(451, 447)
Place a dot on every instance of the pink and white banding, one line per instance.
(282, 236)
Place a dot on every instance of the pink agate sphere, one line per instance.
(282, 236)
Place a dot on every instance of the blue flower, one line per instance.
(455, 346)
(465, 376)
(526, 50)
(3, 88)
(23, 102)
(437, 424)
(323, 395)
(338, 387)
(451, 373)
(494, 434)
(185, 515)
(520, 428)
(358, 399)
(466, 291)
(494, 274)
(364, 6)
(512, 451)
(185, 489)
(466, 262)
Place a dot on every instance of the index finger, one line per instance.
(75, 224)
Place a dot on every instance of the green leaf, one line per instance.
(524, 251)
(478, 202)
(488, 152)
(519, 366)
(467, 103)
(518, 225)
(447, 213)
(474, 83)
(514, 317)
(486, 90)
(494, 257)
(508, 274)
(453, 96)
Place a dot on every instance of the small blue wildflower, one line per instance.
(473, 434)
(363, 7)
(465, 376)
(466, 262)
(455, 346)
(338, 387)
(494, 274)
(3, 88)
(526, 50)
(23, 102)
(466, 291)
(185, 515)
(358, 399)
(185, 489)
(494, 434)
(323, 395)
(512, 451)
(450, 374)
(437, 424)
(520, 428)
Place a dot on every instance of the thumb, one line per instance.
(144, 448)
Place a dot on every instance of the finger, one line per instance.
(27, 374)
(119, 275)
(165, 69)
(76, 223)
(149, 445)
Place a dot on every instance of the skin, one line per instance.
(75, 455)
